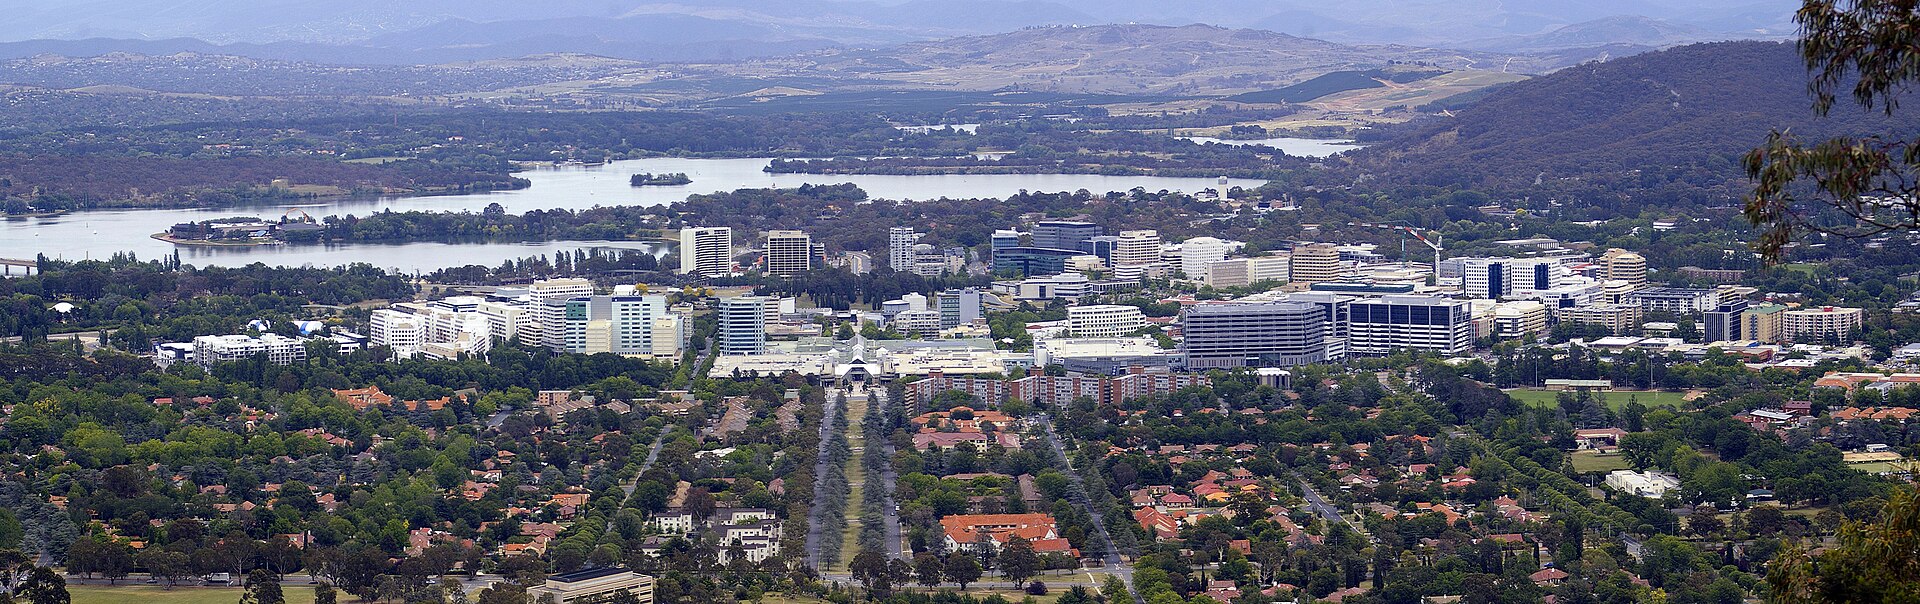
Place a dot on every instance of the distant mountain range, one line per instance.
(1683, 117)
(1127, 60)
(435, 31)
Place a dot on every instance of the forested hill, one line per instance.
(1662, 128)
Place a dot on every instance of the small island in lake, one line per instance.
(661, 180)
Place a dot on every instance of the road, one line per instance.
(494, 421)
(816, 512)
(1112, 564)
(1326, 510)
(888, 479)
(653, 454)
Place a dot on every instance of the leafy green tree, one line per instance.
(503, 593)
(1866, 48)
(1876, 560)
(869, 567)
(962, 568)
(928, 569)
(43, 586)
(1018, 561)
(263, 587)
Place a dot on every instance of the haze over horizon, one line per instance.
(447, 30)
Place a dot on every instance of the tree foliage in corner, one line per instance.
(1871, 48)
(1875, 561)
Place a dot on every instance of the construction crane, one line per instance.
(1435, 242)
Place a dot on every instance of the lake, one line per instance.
(100, 234)
(1299, 147)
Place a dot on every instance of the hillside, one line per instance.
(1192, 60)
(1662, 127)
(409, 31)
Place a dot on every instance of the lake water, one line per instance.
(1299, 147)
(100, 234)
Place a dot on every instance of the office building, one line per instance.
(1726, 323)
(1033, 261)
(1005, 238)
(1198, 252)
(1226, 273)
(278, 349)
(1103, 247)
(1104, 321)
(1621, 265)
(928, 261)
(1275, 267)
(959, 307)
(559, 289)
(900, 242)
(788, 253)
(403, 332)
(631, 325)
(1069, 286)
(1503, 278)
(1764, 323)
(1238, 272)
(706, 251)
(742, 326)
(1574, 292)
(1711, 275)
(1519, 319)
(1616, 318)
(1382, 325)
(1676, 300)
(1136, 248)
(1315, 263)
(546, 305)
(1227, 336)
(504, 319)
(1822, 324)
(1065, 235)
(593, 586)
(923, 322)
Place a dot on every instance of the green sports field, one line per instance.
(1616, 400)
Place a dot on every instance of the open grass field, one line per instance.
(147, 594)
(1616, 400)
(1593, 462)
(856, 482)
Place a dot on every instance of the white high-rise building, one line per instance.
(1198, 252)
(504, 319)
(706, 251)
(540, 314)
(788, 253)
(1136, 248)
(632, 325)
(1513, 278)
(900, 242)
(401, 331)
